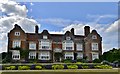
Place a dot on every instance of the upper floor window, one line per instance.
(44, 44)
(94, 46)
(45, 37)
(17, 33)
(32, 45)
(94, 37)
(16, 43)
(79, 47)
(68, 45)
(68, 38)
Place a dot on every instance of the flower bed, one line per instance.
(55, 66)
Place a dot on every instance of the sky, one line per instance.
(58, 17)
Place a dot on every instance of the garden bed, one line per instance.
(53, 66)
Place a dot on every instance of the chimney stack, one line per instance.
(72, 31)
(86, 30)
(36, 29)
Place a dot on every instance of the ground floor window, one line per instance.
(44, 55)
(95, 56)
(79, 55)
(69, 55)
(32, 55)
(15, 54)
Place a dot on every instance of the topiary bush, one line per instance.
(57, 67)
(38, 67)
(23, 68)
(72, 66)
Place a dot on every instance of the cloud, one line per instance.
(13, 8)
(14, 14)
(113, 27)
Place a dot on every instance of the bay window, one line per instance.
(44, 55)
(68, 45)
(69, 55)
(16, 55)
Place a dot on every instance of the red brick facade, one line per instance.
(57, 42)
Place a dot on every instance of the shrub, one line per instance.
(10, 68)
(57, 67)
(67, 61)
(103, 67)
(96, 61)
(23, 68)
(72, 66)
(38, 67)
(85, 67)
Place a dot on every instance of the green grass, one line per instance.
(68, 71)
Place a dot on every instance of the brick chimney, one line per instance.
(86, 30)
(36, 29)
(72, 31)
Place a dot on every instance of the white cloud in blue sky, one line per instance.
(60, 17)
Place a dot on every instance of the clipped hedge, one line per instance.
(103, 67)
(10, 68)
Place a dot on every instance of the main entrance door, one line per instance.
(57, 55)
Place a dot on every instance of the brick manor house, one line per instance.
(55, 47)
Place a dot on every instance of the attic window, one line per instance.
(17, 33)
(68, 38)
(94, 37)
(45, 37)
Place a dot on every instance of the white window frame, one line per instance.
(32, 45)
(32, 55)
(68, 44)
(69, 55)
(79, 46)
(79, 55)
(45, 37)
(95, 56)
(94, 37)
(15, 54)
(44, 45)
(44, 55)
(17, 33)
(94, 46)
(16, 43)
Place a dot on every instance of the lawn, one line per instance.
(74, 71)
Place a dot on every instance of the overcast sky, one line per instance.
(58, 17)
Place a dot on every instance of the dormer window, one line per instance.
(45, 37)
(94, 37)
(68, 38)
(17, 33)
